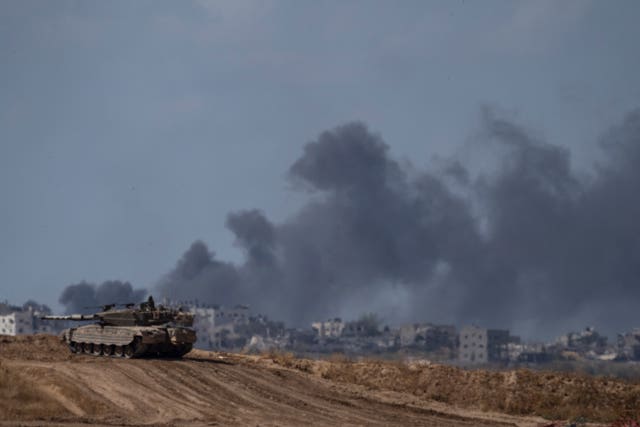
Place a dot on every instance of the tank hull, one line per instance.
(134, 341)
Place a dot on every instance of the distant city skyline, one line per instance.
(129, 130)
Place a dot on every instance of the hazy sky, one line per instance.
(130, 129)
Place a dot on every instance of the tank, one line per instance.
(133, 331)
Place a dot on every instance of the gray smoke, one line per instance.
(529, 245)
(560, 250)
(36, 306)
(87, 297)
(199, 276)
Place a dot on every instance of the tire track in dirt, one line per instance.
(56, 393)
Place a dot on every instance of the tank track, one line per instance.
(135, 349)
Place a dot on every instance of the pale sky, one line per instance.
(129, 129)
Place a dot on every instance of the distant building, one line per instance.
(629, 345)
(428, 336)
(587, 343)
(498, 345)
(216, 326)
(332, 328)
(473, 345)
(16, 323)
(527, 352)
(238, 315)
(19, 321)
(409, 333)
(204, 323)
(481, 345)
(228, 321)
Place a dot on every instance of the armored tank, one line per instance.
(142, 331)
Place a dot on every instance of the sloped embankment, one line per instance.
(42, 384)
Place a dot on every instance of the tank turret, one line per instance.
(131, 332)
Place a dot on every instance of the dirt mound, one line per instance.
(33, 347)
(42, 384)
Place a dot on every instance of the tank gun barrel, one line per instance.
(133, 331)
(72, 317)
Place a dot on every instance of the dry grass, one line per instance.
(288, 360)
(551, 395)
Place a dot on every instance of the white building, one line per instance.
(25, 322)
(17, 323)
(15, 320)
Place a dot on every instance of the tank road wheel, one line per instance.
(85, 348)
(96, 349)
(135, 348)
(129, 350)
(73, 347)
(107, 349)
(118, 351)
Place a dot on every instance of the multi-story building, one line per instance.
(332, 328)
(408, 334)
(428, 336)
(23, 321)
(473, 345)
(16, 323)
(216, 325)
(238, 315)
(498, 344)
(587, 343)
(204, 323)
(481, 345)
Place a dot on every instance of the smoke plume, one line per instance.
(36, 306)
(529, 244)
(87, 297)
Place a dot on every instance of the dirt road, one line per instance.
(41, 384)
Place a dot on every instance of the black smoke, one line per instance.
(86, 297)
(528, 244)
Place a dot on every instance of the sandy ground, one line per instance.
(42, 384)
